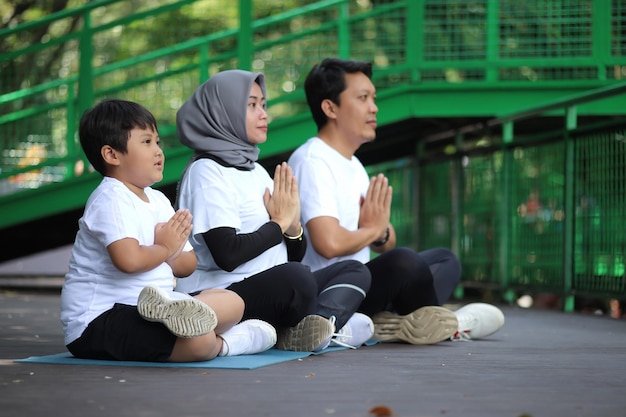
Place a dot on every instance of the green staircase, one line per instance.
(440, 67)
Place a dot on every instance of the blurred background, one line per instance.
(501, 123)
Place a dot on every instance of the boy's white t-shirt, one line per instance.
(219, 196)
(93, 284)
(330, 185)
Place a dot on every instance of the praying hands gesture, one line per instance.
(283, 205)
(174, 234)
(169, 240)
(376, 206)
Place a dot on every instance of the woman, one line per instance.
(247, 233)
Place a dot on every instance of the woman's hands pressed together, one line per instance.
(283, 205)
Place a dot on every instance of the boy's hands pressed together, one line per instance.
(169, 240)
(174, 234)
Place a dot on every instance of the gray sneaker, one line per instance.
(424, 326)
(307, 336)
(182, 314)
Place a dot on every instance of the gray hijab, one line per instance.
(212, 121)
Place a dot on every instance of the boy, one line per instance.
(117, 301)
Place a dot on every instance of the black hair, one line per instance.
(327, 80)
(109, 123)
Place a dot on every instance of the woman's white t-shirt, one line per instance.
(219, 196)
(93, 284)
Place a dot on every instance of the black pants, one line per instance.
(404, 280)
(284, 294)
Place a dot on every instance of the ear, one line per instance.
(109, 155)
(328, 107)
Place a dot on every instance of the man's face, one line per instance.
(356, 114)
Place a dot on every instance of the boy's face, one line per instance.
(142, 164)
(356, 115)
(256, 116)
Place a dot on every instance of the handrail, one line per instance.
(75, 11)
(408, 72)
(574, 99)
(536, 110)
(69, 82)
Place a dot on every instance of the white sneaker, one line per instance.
(247, 338)
(477, 320)
(311, 334)
(424, 326)
(182, 314)
(358, 330)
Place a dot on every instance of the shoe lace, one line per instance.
(340, 334)
(465, 324)
(461, 337)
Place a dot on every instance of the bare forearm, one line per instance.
(135, 258)
(184, 264)
(338, 241)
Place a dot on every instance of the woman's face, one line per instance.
(256, 116)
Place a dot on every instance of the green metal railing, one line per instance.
(450, 54)
(534, 213)
(472, 189)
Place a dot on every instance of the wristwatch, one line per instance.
(379, 243)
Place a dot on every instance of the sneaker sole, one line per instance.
(307, 335)
(184, 318)
(424, 326)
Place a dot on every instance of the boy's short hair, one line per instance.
(327, 80)
(109, 123)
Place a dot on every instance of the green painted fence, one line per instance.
(538, 212)
(531, 214)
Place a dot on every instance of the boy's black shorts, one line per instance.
(122, 334)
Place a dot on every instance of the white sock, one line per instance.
(224, 350)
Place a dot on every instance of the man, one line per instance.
(347, 215)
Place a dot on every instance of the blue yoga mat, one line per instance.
(258, 360)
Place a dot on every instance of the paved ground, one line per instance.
(543, 363)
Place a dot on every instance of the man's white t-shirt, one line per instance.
(330, 185)
(219, 196)
(93, 284)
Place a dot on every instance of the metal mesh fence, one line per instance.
(401, 175)
(158, 52)
(511, 232)
(600, 243)
(537, 216)
(546, 28)
(455, 30)
(480, 235)
(435, 205)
